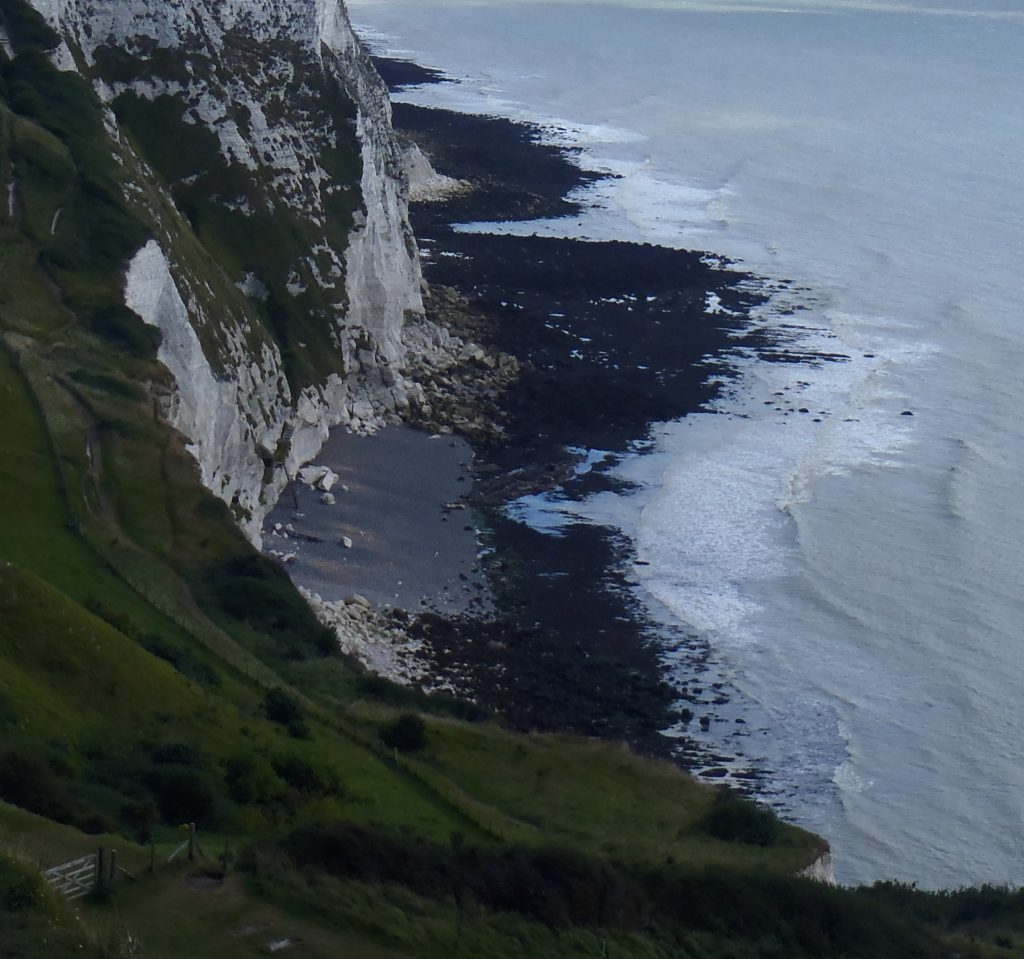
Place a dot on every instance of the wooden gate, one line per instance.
(76, 878)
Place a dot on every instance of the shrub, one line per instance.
(251, 780)
(305, 778)
(257, 592)
(407, 734)
(27, 780)
(734, 819)
(183, 794)
(282, 707)
(27, 28)
(177, 754)
(140, 816)
(123, 328)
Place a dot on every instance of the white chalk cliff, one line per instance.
(266, 78)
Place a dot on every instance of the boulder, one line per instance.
(311, 475)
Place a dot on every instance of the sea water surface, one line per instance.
(857, 569)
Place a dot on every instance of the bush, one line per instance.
(251, 780)
(183, 794)
(259, 593)
(407, 734)
(282, 707)
(177, 754)
(123, 328)
(305, 778)
(734, 819)
(27, 780)
(27, 28)
(140, 816)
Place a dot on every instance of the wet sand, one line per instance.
(405, 512)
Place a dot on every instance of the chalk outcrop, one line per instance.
(302, 156)
(821, 870)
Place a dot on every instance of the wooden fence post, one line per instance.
(191, 842)
(113, 865)
(152, 855)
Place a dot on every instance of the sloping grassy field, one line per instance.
(155, 670)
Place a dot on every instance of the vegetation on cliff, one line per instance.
(155, 670)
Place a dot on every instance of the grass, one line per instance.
(227, 922)
(580, 793)
(140, 635)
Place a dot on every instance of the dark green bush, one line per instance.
(177, 754)
(26, 27)
(305, 778)
(124, 329)
(282, 707)
(183, 794)
(259, 593)
(27, 780)
(734, 819)
(66, 104)
(98, 233)
(251, 780)
(140, 816)
(407, 734)
(737, 913)
(175, 148)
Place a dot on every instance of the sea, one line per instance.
(847, 534)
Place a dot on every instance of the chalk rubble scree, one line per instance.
(254, 73)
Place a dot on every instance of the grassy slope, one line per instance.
(116, 653)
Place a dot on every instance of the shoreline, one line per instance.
(612, 337)
(608, 338)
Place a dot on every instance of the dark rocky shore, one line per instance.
(608, 338)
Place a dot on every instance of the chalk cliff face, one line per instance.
(282, 272)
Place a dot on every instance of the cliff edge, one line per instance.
(281, 272)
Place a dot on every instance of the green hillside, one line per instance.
(155, 670)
